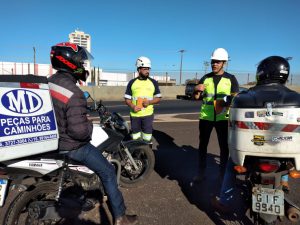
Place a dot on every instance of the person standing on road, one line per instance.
(75, 130)
(141, 94)
(212, 89)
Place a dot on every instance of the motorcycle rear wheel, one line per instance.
(145, 160)
(18, 211)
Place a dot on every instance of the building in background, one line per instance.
(84, 40)
(80, 38)
(19, 68)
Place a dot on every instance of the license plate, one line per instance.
(3, 187)
(269, 201)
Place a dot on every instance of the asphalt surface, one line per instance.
(169, 197)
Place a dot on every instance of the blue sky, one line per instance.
(123, 30)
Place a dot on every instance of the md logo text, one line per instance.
(21, 101)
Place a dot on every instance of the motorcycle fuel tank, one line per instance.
(27, 118)
(265, 121)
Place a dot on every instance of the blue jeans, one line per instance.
(90, 156)
(228, 184)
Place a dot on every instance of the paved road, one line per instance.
(164, 107)
(168, 198)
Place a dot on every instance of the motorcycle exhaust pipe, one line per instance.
(293, 214)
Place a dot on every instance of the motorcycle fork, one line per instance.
(130, 156)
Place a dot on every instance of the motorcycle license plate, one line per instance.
(269, 201)
(3, 187)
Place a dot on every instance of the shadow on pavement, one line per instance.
(180, 163)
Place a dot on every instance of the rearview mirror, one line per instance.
(86, 95)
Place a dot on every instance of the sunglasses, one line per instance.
(215, 62)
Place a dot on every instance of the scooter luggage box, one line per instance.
(27, 118)
(265, 122)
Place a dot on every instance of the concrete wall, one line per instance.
(109, 93)
(112, 93)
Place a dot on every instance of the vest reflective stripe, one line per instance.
(142, 89)
(136, 98)
(207, 108)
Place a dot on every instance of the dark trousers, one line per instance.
(142, 124)
(205, 129)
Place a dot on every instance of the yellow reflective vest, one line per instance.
(213, 98)
(138, 90)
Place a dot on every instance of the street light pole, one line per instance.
(181, 56)
(206, 65)
(288, 59)
(227, 63)
(33, 60)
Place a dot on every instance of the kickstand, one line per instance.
(106, 216)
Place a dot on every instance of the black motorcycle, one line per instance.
(135, 156)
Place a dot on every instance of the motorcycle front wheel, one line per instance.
(145, 160)
(18, 213)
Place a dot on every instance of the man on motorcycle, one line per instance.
(75, 129)
(271, 70)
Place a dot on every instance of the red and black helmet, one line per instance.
(70, 58)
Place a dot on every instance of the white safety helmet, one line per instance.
(219, 54)
(143, 62)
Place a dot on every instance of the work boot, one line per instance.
(127, 220)
(220, 207)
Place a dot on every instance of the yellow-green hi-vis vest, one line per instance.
(207, 108)
(142, 89)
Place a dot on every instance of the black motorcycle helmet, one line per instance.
(69, 57)
(273, 69)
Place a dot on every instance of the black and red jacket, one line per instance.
(70, 105)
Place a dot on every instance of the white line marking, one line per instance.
(162, 118)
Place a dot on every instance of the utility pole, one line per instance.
(181, 56)
(33, 60)
(288, 59)
(166, 78)
(206, 65)
(227, 63)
